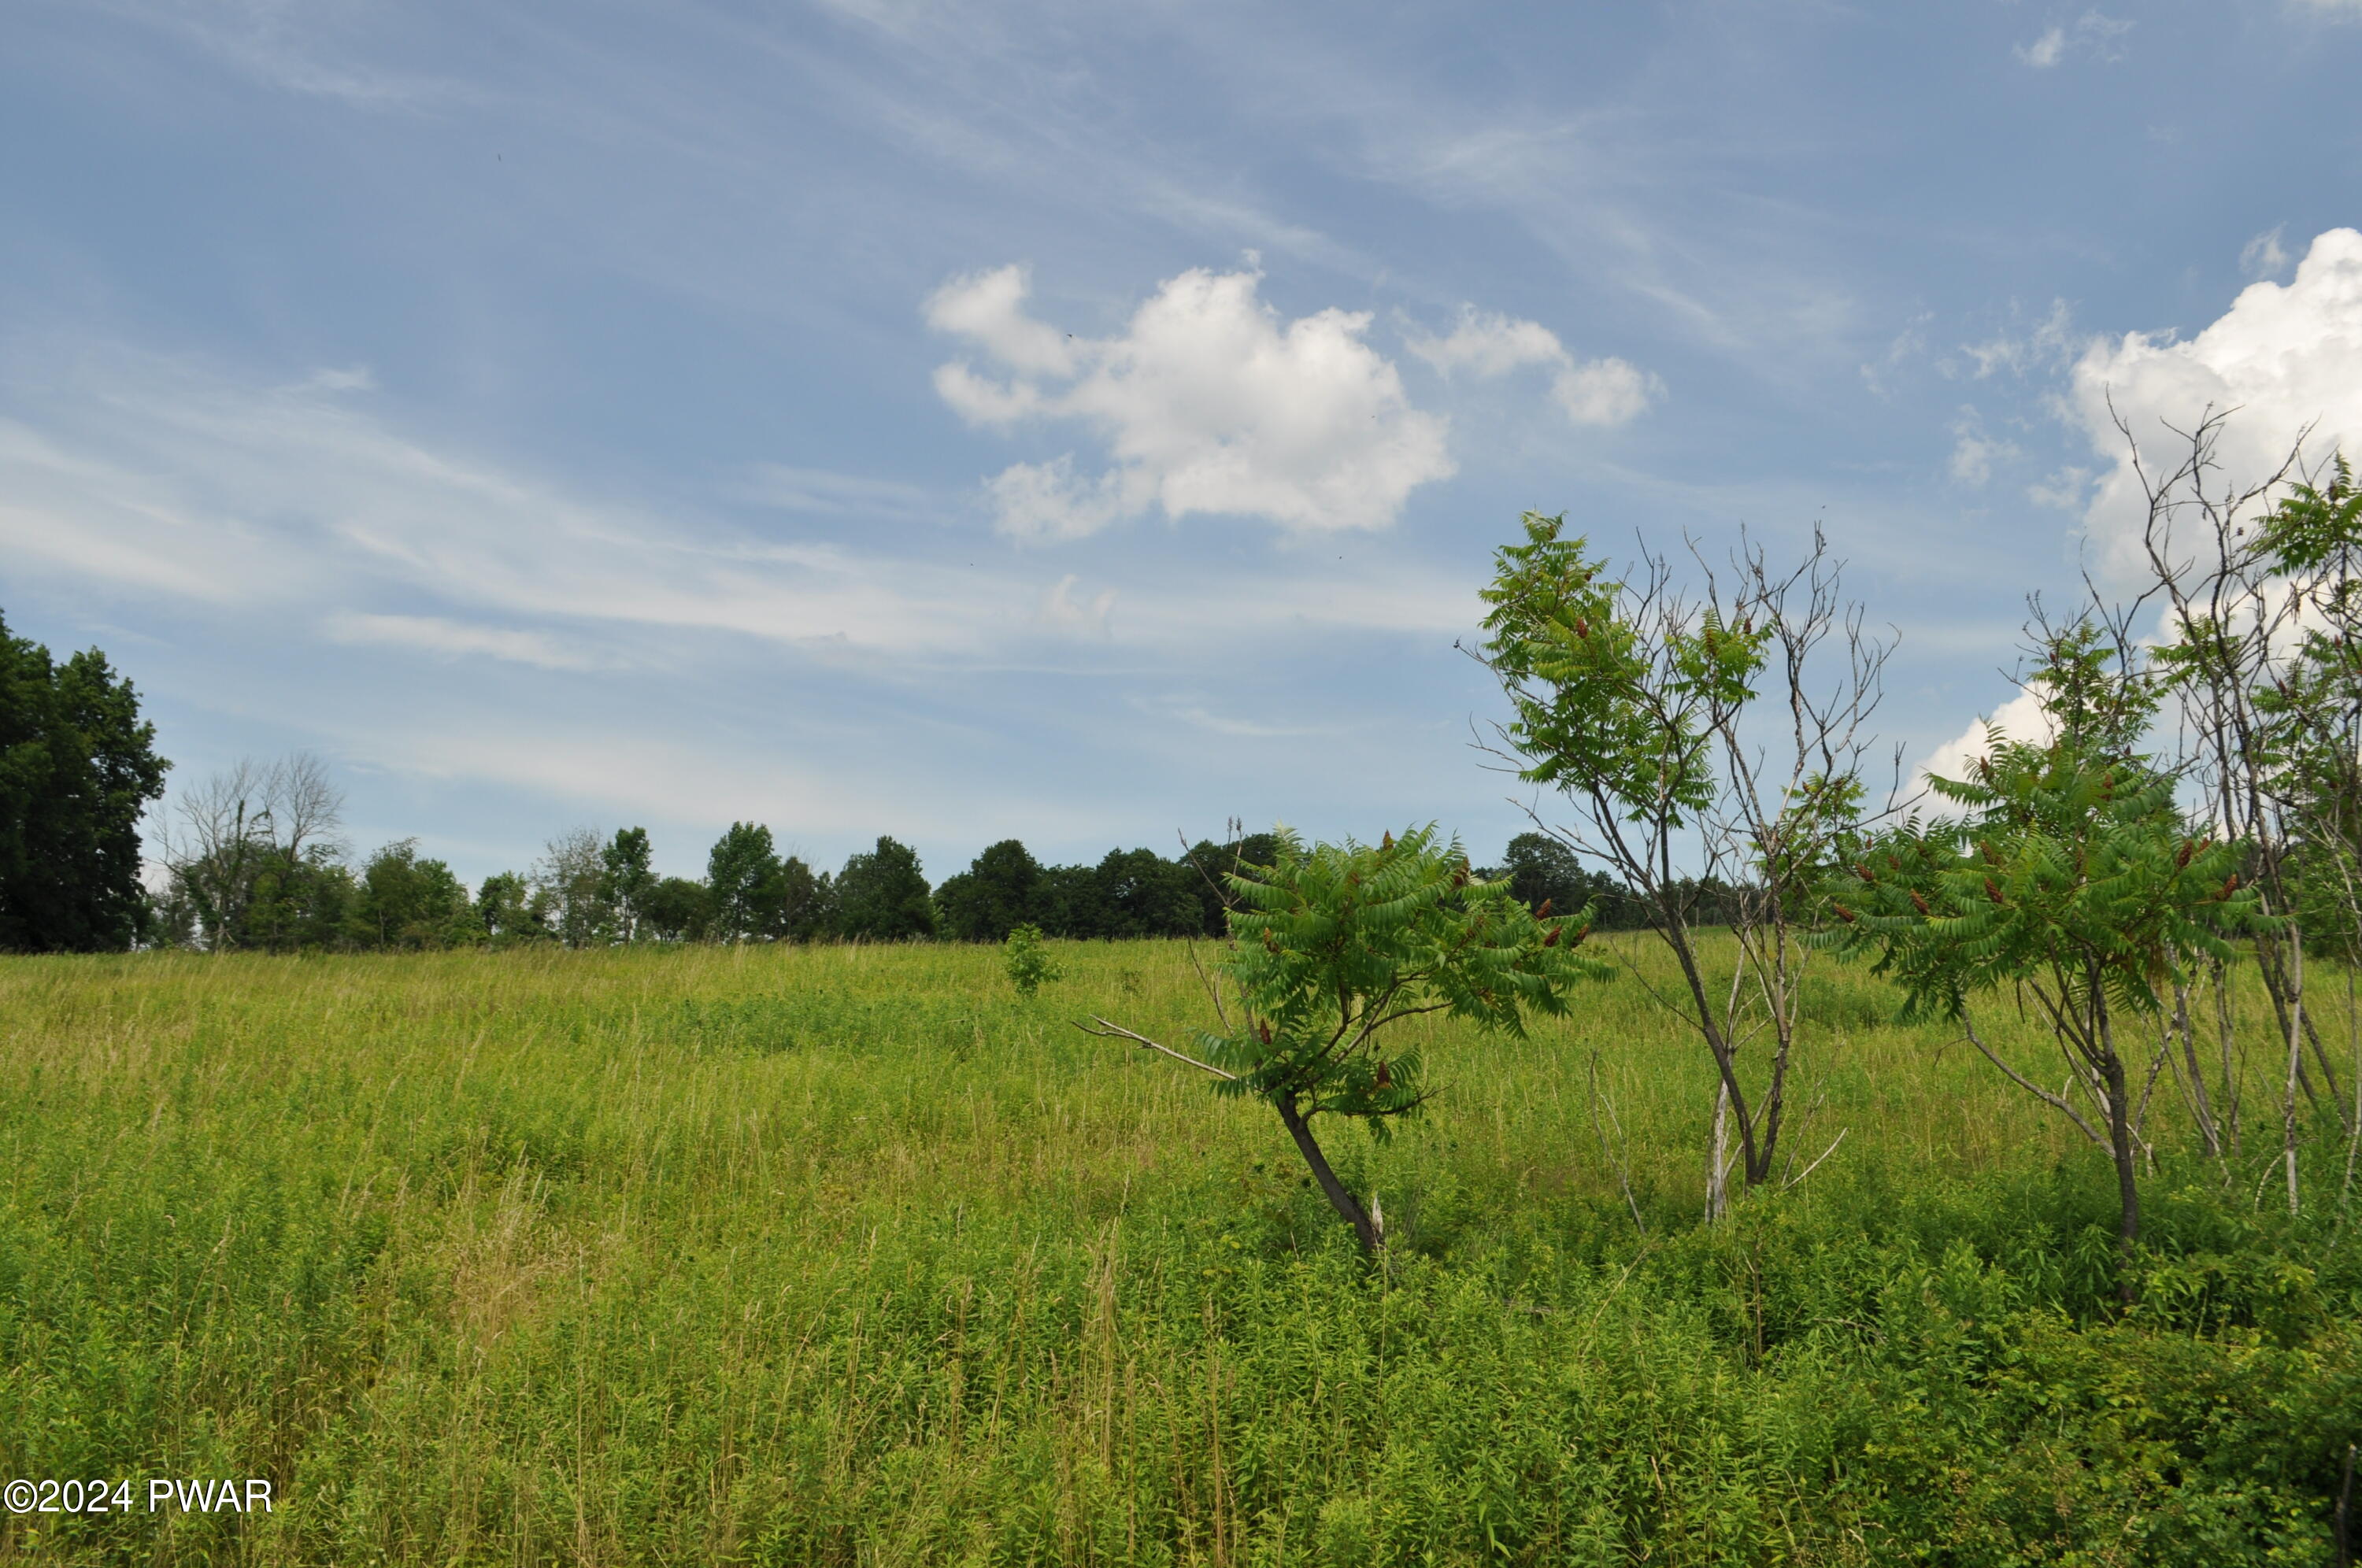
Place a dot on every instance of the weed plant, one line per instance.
(849, 1255)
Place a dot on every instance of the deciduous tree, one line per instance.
(77, 768)
(1331, 947)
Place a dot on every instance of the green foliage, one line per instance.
(405, 901)
(994, 896)
(507, 912)
(1332, 945)
(883, 897)
(740, 875)
(1129, 893)
(2075, 874)
(1607, 703)
(625, 880)
(1026, 959)
(676, 910)
(1541, 871)
(835, 1256)
(77, 766)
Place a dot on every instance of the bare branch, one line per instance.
(1117, 1032)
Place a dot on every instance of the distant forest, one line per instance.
(253, 865)
(253, 859)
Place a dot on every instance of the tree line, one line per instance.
(251, 861)
(1700, 735)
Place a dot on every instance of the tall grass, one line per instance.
(848, 1255)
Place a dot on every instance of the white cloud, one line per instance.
(2092, 33)
(2050, 342)
(2285, 356)
(454, 639)
(1206, 402)
(1605, 391)
(1491, 344)
(825, 492)
(2044, 52)
(158, 477)
(1974, 452)
(1592, 391)
(158, 480)
(2019, 719)
(2062, 492)
(2265, 255)
(1060, 609)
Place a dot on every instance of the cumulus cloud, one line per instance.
(2265, 255)
(2019, 719)
(1491, 344)
(2286, 357)
(291, 503)
(1604, 391)
(1590, 391)
(1207, 401)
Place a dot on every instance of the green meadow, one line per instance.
(847, 1255)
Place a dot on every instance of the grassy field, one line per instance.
(848, 1256)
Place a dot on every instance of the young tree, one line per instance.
(2250, 571)
(1027, 960)
(883, 897)
(1632, 703)
(1329, 947)
(2072, 879)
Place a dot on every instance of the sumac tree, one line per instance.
(1332, 945)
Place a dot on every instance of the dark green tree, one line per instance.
(996, 894)
(676, 910)
(1143, 894)
(508, 912)
(797, 903)
(625, 880)
(77, 766)
(883, 897)
(1211, 862)
(741, 876)
(409, 902)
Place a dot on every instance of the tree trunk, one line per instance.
(1717, 1159)
(2206, 1111)
(2119, 1142)
(1365, 1230)
(2295, 1058)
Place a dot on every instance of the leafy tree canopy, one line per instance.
(77, 768)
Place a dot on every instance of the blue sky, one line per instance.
(1085, 423)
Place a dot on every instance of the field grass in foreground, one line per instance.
(847, 1255)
